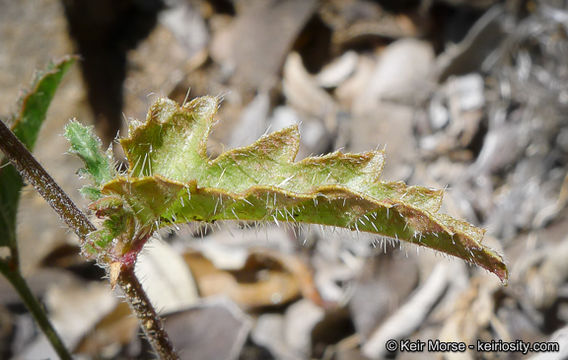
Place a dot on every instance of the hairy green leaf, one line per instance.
(98, 165)
(26, 126)
(171, 180)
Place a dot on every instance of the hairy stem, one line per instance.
(36, 309)
(149, 319)
(44, 184)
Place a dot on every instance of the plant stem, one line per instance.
(44, 184)
(36, 309)
(149, 319)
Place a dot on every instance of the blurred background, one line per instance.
(467, 95)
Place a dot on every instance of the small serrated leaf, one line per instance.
(171, 180)
(87, 146)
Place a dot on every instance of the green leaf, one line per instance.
(171, 180)
(34, 104)
(26, 126)
(87, 146)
